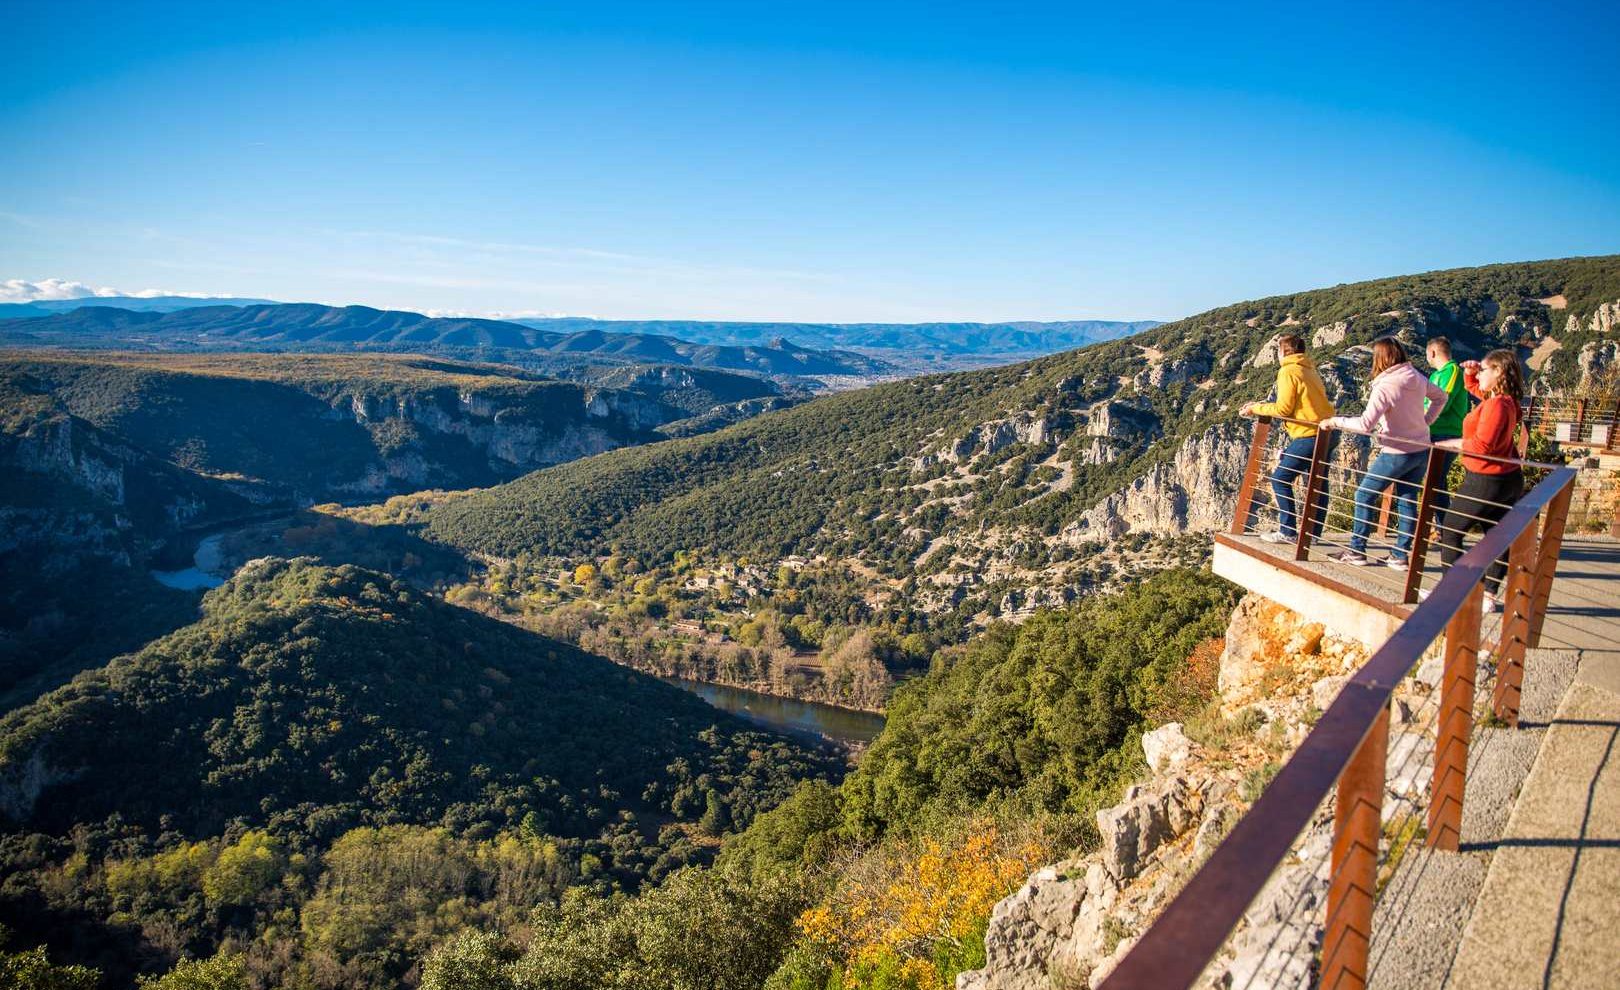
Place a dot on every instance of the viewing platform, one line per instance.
(1506, 872)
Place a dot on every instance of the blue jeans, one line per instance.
(1405, 472)
(1295, 461)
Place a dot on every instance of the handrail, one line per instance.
(1423, 444)
(1346, 748)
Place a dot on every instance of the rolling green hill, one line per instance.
(1010, 470)
(309, 698)
(331, 760)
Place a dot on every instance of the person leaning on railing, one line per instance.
(1449, 426)
(1399, 417)
(1489, 486)
(1300, 396)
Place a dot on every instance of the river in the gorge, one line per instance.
(801, 718)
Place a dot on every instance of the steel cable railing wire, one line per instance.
(1406, 827)
(1199, 920)
(1416, 727)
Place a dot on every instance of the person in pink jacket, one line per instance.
(1397, 418)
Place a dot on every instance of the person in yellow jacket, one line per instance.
(1300, 396)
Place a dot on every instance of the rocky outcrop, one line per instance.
(1063, 922)
(516, 433)
(1605, 319)
(1193, 368)
(1596, 359)
(1071, 922)
(1260, 631)
(1266, 356)
(1195, 490)
(1330, 335)
(59, 446)
(992, 437)
(22, 781)
(1122, 419)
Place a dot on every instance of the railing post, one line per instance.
(1357, 823)
(1432, 479)
(1454, 724)
(1552, 543)
(1314, 482)
(1383, 509)
(1251, 475)
(1580, 420)
(1510, 646)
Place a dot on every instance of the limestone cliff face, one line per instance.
(510, 434)
(64, 447)
(82, 491)
(1194, 490)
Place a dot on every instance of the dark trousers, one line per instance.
(1467, 511)
(1294, 462)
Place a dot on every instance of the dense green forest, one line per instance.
(331, 781)
(321, 719)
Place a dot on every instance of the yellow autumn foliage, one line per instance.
(909, 901)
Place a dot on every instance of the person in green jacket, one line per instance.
(1449, 426)
(1299, 396)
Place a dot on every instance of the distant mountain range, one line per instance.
(909, 345)
(1018, 338)
(152, 304)
(307, 326)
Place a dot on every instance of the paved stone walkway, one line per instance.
(1549, 912)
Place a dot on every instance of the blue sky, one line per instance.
(799, 161)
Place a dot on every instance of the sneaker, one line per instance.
(1276, 536)
(1423, 594)
(1491, 604)
(1395, 563)
(1354, 558)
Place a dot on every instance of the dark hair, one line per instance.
(1442, 344)
(1290, 343)
(1511, 382)
(1387, 353)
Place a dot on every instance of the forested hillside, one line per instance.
(991, 764)
(263, 775)
(1007, 469)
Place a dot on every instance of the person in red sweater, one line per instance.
(1489, 486)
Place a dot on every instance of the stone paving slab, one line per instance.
(1426, 905)
(1548, 915)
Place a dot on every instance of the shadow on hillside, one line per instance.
(388, 547)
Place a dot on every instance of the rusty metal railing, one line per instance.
(1347, 749)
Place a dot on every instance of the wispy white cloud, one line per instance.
(13, 290)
